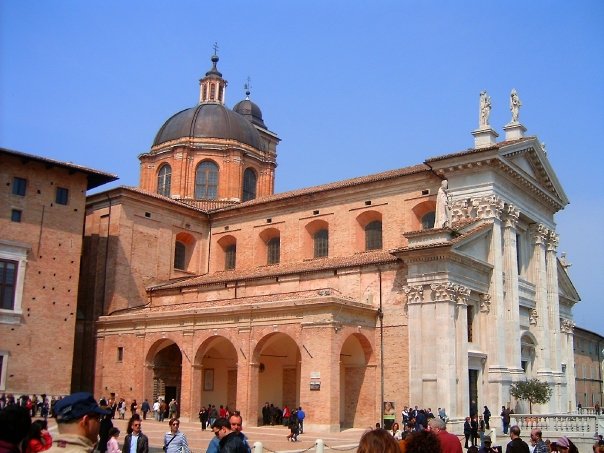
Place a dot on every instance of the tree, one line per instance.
(532, 390)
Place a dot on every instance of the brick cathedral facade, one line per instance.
(205, 286)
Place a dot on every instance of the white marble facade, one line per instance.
(501, 275)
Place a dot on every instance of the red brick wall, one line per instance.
(41, 344)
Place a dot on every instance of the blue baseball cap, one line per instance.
(76, 406)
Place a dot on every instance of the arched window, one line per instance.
(321, 243)
(206, 181)
(249, 184)
(373, 235)
(273, 247)
(180, 256)
(164, 180)
(428, 220)
(230, 256)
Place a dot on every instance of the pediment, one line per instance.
(475, 245)
(566, 289)
(529, 160)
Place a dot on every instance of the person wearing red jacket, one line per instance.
(39, 438)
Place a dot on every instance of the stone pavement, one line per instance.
(273, 438)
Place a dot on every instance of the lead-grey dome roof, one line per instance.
(209, 120)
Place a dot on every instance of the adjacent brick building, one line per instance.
(42, 205)
(204, 286)
(589, 362)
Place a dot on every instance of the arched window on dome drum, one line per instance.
(180, 255)
(230, 256)
(428, 220)
(206, 181)
(249, 184)
(164, 180)
(373, 235)
(321, 243)
(273, 247)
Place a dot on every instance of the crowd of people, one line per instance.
(85, 425)
(417, 422)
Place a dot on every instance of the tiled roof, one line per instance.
(273, 271)
(95, 177)
(478, 150)
(391, 174)
(161, 197)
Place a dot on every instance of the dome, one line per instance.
(209, 121)
(251, 111)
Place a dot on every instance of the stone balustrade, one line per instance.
(565, 424)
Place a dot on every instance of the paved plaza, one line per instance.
(273, 438)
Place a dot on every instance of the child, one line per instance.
(112, 446)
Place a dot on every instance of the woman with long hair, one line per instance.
(38, 439)
(396, 431)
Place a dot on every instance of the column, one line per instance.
(450, 367)
(512, 302)
(553, 302)
(569, 402)
(499, 379)
(539, 234)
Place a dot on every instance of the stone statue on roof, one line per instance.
(442, 216)
(485, 110)
(515, 105)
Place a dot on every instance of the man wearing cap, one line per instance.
(78, 419)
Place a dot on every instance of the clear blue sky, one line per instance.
(351, 87)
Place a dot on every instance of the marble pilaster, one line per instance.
(415, 297)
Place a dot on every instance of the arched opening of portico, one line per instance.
(164, 371)
(215, 374)
(357, 383)
(277, 366)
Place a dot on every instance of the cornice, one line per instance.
(159, 319)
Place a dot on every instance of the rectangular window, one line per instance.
(19, 186)
(62, 195)
(120, 353)
(230, 257)
(15, 215)
(274, 250)
(8, 280)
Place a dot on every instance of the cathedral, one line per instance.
(436, 284)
